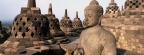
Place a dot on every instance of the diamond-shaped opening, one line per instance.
(51, 25)
(114, 12)
(130, 6)
(15, 19)
(23, 34)
(24, 23)
(137, 6)
(20, 29)
(110, 12)
(35, 19)
(27, 29)
(130, 1)
(127, 4)
(28, 19)
(112, 9)
(16, 34)
(36, 28)
(14, 28)
(39, 23)
(133, 3)
(32, 34)
(20, 19)
(136, 1)
(17, 23)
(109, 8)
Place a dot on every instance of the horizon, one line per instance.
(9, 9)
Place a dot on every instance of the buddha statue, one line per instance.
(95, 40)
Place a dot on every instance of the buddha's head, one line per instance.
(93, 13)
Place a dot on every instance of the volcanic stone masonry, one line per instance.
(112, 10)
(128, 27)
(35, 34)
(31, 34)
(134, 8)
(29, 29)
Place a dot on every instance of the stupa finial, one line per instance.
(31, 3)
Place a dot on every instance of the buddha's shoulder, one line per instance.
(100, 31)
(106, 33)
(86, 31)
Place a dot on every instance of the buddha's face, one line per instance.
(91, 18)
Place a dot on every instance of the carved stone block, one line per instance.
(56, 49)
(69, 48)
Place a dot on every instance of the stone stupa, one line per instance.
(77, 24)
(66, 25)
(112, 10)
(54, 23)
(54, 26)
(29, 29)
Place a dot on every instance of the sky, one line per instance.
(10, 8)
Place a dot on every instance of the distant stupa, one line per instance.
(54, 26)
(54, 23)
(133, 8)
(77, 24)
(112, 10)
(66, 25)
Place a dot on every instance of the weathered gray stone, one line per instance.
(56, 49)
(39, 48)
(112, 10)
(95, 40)
(69, 48)
(42, 49)
(25, 52)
